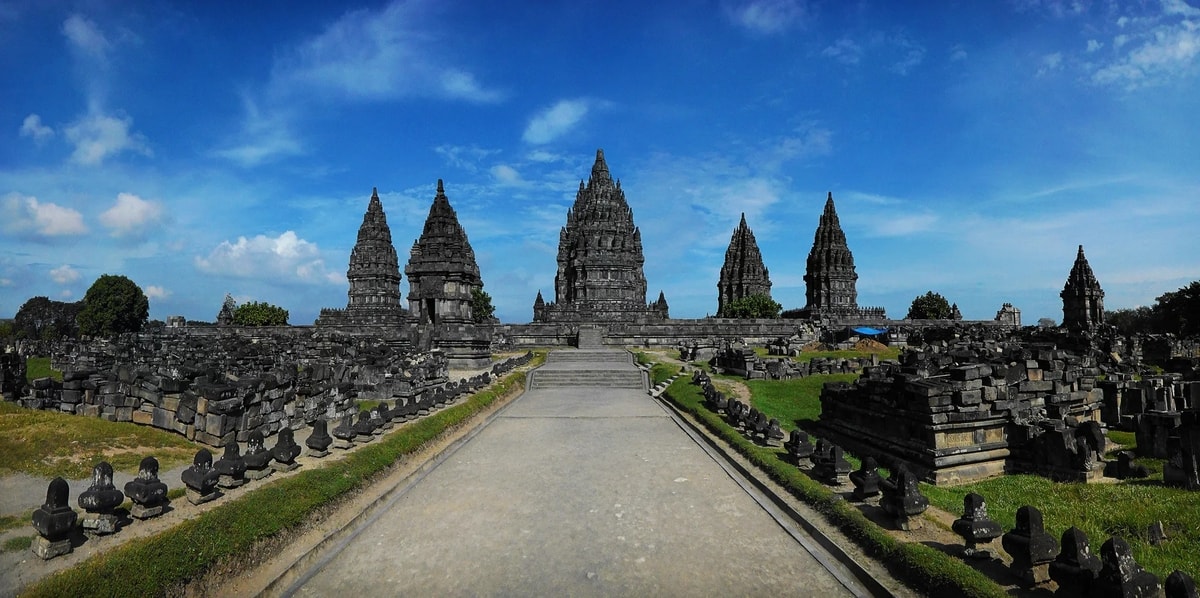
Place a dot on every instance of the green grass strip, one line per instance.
(151, 566)
(925, 569)
(39, 367)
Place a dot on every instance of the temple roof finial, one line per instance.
(600, 168)
(440, 189)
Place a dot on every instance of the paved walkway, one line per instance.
(574, 490)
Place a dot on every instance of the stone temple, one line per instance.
(743, 273)
(374, 276)
(1083, 299)
(830, 278)
(600, 276)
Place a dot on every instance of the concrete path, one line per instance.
(573, 491)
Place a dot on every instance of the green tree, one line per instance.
(113, 305)
(758, 305)
(481, 306)
(253, 313)
(1133, 321)
(930, 306)
(1179, 311)
(44, 318)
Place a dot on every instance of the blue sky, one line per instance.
(217, 147)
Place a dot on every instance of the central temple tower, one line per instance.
(600, 258)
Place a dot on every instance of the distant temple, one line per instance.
(743, 273)
(600, 260)
(374, 276)
(1083, 299)
(830, 277)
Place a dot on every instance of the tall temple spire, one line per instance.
(442, 272)
(374, 275)
(743, 273)
(830, 276)
(1083, 299)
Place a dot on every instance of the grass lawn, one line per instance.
(792, 402)
(48, 444)
(39, 367)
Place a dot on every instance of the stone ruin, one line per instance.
(220, 388)
(743, 361)
(743, 274)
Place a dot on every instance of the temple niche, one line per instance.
(743, 273)
(1083, 299)
(374, 277)
(442, 277)
(600, 260)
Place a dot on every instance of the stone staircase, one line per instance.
(603, 376)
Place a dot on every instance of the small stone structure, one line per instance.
(54, 522)
(100, 501)
(146, 491)
(1083, 299)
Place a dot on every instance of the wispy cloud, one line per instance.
(33, 128)
(844, 50)
(27, 217)
(1150, 49)
(156, 292)
(98, 136)
(467, 157)
(769, 17)
(555, 121)
(285, 258)
(898, 51)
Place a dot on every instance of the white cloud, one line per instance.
(26, 216)
(958, 53)
(286, 258)
(85, 36)
(555, 121)
(1050, 63)
(64, 274)
(1093, 45)
(65, 294)
(1153, 50)
(262, 138)
(901, 51)
(767, 17)
(506, 175)
(130, 214)
(156, 292)
(465, 157)
(98, 136)
(1179, 7)
(908, 53)
(32, 127)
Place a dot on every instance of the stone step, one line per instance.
(588, 356)
(592, 378)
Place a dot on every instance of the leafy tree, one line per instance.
(758, 305)
(44, 318)
(930, 306)
(1047, 323)
(482, 309)
(1179, 311)
(1132, 321)
(113, 305)
(253, 313)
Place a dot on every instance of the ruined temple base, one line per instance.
(258, 474)
(228, 481)
(198, 499)
(285, 467)
(47, 550)
(317, 454)
(100, 525)
(147, 512)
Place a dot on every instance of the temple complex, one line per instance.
(830, 277)
(442, 277)
(374, 276)
(1083, 299)
(743, 273)
(600, 276)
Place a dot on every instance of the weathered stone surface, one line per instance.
(1083, 299)
(743, 273)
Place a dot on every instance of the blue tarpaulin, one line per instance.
(869, 331)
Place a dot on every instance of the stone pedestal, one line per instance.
(47, 549)
(364, 438)
(317, 454)
(258, 474)
(143, 512)
(285, 467)
(196, 498)
(96, 524)
(341, 443)
(228, 481)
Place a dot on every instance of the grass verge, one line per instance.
(48, 444)
(184, 552)
(39, 367)
(924, 568)
(17, 544)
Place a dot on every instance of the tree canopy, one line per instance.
(757, 305)
(253, 313)
(482, 309)
(930, 306)
(114, 304)
(1176, 312)
(43, 318)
